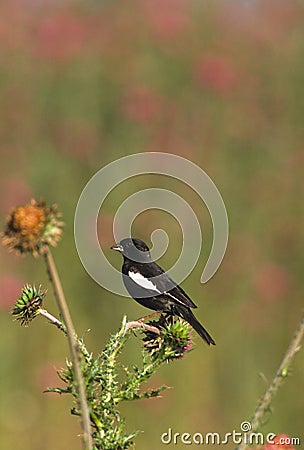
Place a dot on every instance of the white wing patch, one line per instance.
(174, 298)
(143, 282)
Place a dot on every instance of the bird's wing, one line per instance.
(160, 282)
(143, 282)
(180, 296)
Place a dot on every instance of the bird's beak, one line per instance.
(117, 247)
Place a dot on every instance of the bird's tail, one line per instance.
(187, 314)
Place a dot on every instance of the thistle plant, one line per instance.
(32, 227)
(27, 307)
(96, 383)
(163, 340)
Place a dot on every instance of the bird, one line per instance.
(152, 287)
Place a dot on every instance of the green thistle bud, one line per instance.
(173, 342)
(28, 304)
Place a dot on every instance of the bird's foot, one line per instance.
(141, 324)
(155, 314)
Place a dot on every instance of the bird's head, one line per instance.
(133, 249)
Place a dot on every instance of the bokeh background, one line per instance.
(83, 83)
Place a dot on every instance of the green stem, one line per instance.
(73, 345)
(277, 381)
(133, 385)
(52, 319)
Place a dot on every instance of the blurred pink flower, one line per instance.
(280, 442)
(268, 23)
(10, 288)
(17, 102)
(102, 33)
(141, 104)
(166, 19)
(15, 191)
(75, 137)
(215, 72)
(272, 282)
(14, 34)
(274, 20)
(61, 36)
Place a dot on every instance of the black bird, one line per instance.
(150, 286)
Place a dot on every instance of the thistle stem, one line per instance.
(73, 344)
(278, 379)
(52, 319)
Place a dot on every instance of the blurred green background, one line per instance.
(220, 83)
